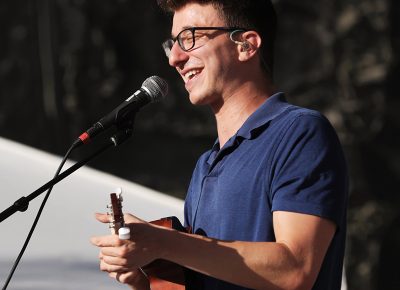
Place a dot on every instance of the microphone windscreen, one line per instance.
(156, 87)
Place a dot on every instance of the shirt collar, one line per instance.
(268, 111)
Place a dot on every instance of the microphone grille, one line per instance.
(156, 87)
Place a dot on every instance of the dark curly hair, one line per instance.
(258, 15)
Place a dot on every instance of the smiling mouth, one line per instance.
(191, 74)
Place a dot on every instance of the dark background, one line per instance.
(65, 63)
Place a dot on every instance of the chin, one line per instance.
(206, 100)
(196, 100)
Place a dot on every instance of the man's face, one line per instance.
(206, 70)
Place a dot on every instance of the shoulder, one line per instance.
(298, 122)
(303, 115)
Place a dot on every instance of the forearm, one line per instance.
(255, 265)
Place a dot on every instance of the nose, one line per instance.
(177, 56)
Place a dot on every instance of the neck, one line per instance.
(236, 108)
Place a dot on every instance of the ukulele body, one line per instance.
(165, 275)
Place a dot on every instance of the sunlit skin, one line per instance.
(230, 81)
(215, 60)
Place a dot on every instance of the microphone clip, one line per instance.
(124, 131)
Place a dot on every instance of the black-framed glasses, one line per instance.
(189, 39)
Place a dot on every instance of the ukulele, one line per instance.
(117, 222)
(162, 274)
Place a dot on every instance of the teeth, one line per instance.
(190, 74)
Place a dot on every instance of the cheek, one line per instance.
(219, 72)
(221, 61)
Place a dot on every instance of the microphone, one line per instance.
(153, 89)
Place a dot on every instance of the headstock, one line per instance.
(117, 223)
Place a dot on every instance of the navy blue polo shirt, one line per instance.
(283, 158)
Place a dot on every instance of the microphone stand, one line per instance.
(22, 204)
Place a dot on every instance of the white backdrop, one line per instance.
(59, 255)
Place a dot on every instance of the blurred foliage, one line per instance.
(65, 63)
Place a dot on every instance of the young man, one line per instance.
(267, 204)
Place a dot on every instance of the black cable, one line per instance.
(10, 275)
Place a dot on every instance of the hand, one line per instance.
(121, 256)
(136, 279)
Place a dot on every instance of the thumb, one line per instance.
(131, 219)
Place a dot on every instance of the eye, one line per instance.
(186, 38)
(198, 35)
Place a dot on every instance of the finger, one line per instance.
(133, 277)
(120, 277)
(105, 267)
(110, 252)
(102, 217)
(106, 241)
(115, 261)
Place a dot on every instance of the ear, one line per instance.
(248, 45)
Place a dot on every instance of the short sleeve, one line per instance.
(309, 172)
